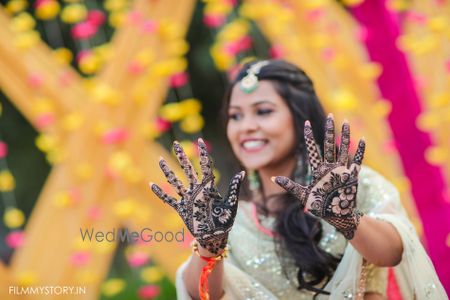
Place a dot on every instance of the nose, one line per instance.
(249, 124)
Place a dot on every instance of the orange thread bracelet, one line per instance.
(207, 269)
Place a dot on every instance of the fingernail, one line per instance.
(307, 123)
(200, 140)
(273, 178)
(150, 184)
(242, 174)
(330, 115)
(346, 121)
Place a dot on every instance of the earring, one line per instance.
(299, 175)
(254, 181)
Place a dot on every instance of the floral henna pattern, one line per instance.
(332, 192)
(207, 215)
(344, 201)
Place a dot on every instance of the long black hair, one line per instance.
(297, 233)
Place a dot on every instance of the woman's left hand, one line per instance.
(332, 192)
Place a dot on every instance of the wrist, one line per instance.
(213, 246)
(206, 254)
(347, 225)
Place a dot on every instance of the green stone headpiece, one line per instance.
(250, 82)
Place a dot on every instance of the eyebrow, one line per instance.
(256, 103)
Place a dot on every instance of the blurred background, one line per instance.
(93, 92)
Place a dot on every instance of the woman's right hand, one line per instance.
(208, 216)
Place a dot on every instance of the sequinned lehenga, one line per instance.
(253, 269)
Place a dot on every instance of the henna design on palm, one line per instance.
(332, 192)
(208, 216)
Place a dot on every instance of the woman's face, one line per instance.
(260, 128)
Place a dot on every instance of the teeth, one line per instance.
(253, 144)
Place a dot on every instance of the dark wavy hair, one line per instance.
(297, 234)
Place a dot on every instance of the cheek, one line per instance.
(278, 125)
(232, 136)
(284, 130)
(290, 130)
(290, 133)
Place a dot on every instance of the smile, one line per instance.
(253, 145)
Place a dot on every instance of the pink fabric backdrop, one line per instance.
(397, 85)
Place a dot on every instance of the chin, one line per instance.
(253, 165)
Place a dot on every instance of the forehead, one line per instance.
(264, 91)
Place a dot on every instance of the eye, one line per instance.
(264, 111)
(235, 116)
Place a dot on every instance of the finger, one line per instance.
(345, 144)
(233, 189)
(185, 164)
(313, 152)
(205, 161)
(163, 196)
(299, 191)
(171, 178)
(330, 143)
(359, 156)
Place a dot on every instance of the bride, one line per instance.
(312, 222)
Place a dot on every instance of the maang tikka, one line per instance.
(250, 81)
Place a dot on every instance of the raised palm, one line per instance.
(332, 192)
(208, 216)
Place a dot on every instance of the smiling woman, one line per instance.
(258, 129)
(317, 224)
